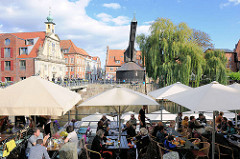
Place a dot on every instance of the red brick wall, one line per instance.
(16, 73)
(231, 63)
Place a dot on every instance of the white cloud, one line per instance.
(120, 20)
(72, 22)
(112, 5)
(234, 2)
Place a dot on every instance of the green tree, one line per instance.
(215, 68)
(235, 76)
(171, 54)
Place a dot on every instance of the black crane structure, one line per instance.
(130, 71)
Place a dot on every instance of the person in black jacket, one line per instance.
(97, 146)
(130, 130)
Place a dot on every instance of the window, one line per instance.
(22, 64)
(7, 65)
(66, 60)
(72, 60)
(111, 68)
(7, 52)
(48, 26)
(66, 69)
(22, 78)
(53, 47)
(7, 79)
(23, 50)
(230, 58)
(71, 69)
(29, 42)
(117, 61)
(7, 41)
(64, 50)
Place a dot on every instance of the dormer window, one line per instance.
(29, 42)
(7, 41)
(23, 50)
(64, 50)
(117, 62)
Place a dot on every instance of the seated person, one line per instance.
(133, 121)
(193, 124)
(72, 135)
(130, 130)
(97, 146)
(218, 120)
(143, 140)
(168, 144)
(230, 129)
(185, 124)
(223, 125)
(202, 119)
(101, 127)
(161, 135)
(105, 121)
(38, 151)
(156, 128)
(32, 140)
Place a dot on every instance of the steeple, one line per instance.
(49, 23)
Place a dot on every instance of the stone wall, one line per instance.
(94, 89)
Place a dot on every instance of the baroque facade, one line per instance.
(31, 53)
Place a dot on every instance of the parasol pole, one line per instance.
(236, 121)
(213, 136)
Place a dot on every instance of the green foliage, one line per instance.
(170, 54)
(234, 76)
(215, 68)
(175, 53)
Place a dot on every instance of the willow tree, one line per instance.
(215, 68)
(170, 53)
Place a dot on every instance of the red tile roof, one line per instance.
(30, 35)
(68, 44)
(95, 58)
(118, 55)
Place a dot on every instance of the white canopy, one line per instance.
(126, 116)
(36, 96)
(211, 97)
(164, 111)
(96, 117)
(165, 117)
(119, 97)
(169, 90)
(235, 85)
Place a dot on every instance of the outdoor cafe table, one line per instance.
(186, 149)
(4, 137)
(114, 140)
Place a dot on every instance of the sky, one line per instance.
(95, 24)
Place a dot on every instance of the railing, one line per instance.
(82, 82)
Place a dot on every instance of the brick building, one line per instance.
(115, 59)
(31, 53)
(74, 59)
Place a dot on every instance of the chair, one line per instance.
(220, 147)
(203, 152)
(88, 151)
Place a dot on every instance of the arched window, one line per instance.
(7, 41)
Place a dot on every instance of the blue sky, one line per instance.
(94, 24)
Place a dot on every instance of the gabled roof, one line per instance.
(72, 48)
(118, 55)
(29, 35)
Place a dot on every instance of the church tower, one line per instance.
(50, 24)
